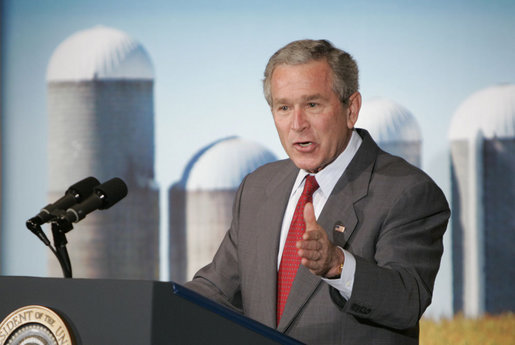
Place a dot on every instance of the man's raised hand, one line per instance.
(318, 254)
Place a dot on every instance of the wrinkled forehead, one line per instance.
(312, 78)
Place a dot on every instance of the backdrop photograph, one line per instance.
(168, 96)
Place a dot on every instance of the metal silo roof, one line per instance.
(99, 53)
(223, 164)
(388, 121)
(490, 111)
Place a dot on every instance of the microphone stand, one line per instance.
(59, 229)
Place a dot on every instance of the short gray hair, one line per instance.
(344, 67)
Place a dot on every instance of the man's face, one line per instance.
(313, 125)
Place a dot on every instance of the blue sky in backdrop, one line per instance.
(209, 58)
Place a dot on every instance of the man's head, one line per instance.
(312, 91)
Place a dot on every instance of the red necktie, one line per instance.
(290, 260)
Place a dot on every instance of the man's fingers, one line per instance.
(312, 235)
(309, 245)
(310, 264)
(312, 255)
(314, 266)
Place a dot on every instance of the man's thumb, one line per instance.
(309, 217)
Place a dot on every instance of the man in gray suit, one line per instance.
(371, 232)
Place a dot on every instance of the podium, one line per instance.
(98, 311)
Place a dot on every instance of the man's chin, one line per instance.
(310, 167)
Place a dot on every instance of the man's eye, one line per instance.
(312, 105)
(283, 108)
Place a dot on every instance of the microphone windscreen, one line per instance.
(113, 191)
(83, 188)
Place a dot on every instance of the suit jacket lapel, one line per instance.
(351, 187)
(304, 285)
(271, 213)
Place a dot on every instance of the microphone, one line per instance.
(76, 193)
(103, 197)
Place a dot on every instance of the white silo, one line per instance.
(101, 123)
(393, 127)
(201, 202)
(482, 135)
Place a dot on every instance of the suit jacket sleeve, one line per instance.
(394, 280)
(220, 279)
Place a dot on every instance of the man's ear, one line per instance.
(354, 107)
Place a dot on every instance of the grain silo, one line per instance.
(393, 127)
(482, 135)
(101, 123)
(201, 202)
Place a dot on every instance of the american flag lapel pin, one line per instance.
(339, 227)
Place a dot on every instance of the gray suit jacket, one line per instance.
(394, 217)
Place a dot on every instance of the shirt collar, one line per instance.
(328, 176)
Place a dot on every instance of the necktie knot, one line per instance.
(311, 185)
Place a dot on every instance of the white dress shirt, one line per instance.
(326, 179)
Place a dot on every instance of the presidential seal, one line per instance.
(34, 325)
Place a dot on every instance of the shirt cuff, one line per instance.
(345, 283)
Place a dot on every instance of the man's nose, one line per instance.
(300, 121)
